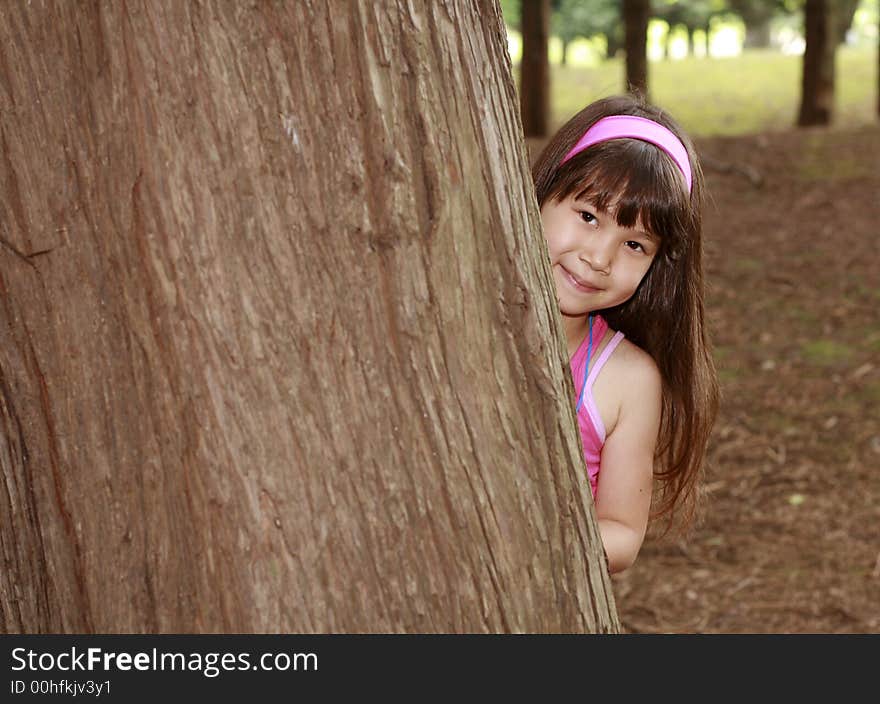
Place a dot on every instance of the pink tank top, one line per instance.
(589, 421)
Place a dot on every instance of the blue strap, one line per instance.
(586, 365)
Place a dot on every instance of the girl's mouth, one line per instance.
(575, 284)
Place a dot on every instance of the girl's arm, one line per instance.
(623, 496)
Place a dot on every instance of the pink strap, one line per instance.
(589, 401)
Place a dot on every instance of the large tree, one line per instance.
(278, 348)
(817, 78)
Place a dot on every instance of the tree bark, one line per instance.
(279, 350)
(635, 21)
(817, 84)
(534, 87)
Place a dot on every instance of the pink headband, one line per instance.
(618, 126)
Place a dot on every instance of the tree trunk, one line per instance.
(817, 85)
(534, 89)
(614, 43)
(757, 36)
(564, 60)
(278, 342)
(844, 12)
(635, 20)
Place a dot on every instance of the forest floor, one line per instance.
(789, 535)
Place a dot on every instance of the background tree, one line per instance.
(534, 88)
(756, 16)
(635, 19)
(692, 15)
(844, 12)
(817, 78)
(278, 344)
(574, 19)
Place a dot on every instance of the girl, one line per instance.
(620, 191)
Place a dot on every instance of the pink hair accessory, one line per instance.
(621, 126)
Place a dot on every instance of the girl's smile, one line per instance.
(579, 284)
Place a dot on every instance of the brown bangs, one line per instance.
(632, 178)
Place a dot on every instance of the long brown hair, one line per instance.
(665, 316)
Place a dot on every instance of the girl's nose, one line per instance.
(597, 255)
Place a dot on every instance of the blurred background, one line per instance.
(723, 67)
(782, 99)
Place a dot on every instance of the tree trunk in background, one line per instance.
(534, 89)
(635, 21)
(844, 12)
(614, 42)
(817, 85)
(279, 349)
(756, 16)
(757, 36)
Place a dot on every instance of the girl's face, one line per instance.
(596, 263)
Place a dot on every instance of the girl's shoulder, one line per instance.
(630, 380)
(630, 365)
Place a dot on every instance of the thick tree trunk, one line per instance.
(635, 20)
(817, 84)
(278, 344)
(534, 89)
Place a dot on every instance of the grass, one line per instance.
(826, 353)
(758, 91)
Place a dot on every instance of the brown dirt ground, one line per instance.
(789, 535)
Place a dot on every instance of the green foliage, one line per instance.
(693, 14)
(510, 10)
(585, 18)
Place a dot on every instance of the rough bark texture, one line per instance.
(817, 83)
(635, 21)
(534, 88)
(278, 349)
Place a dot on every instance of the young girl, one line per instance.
(620, 191)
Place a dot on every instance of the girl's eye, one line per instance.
(587, 217)
(635, 246)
